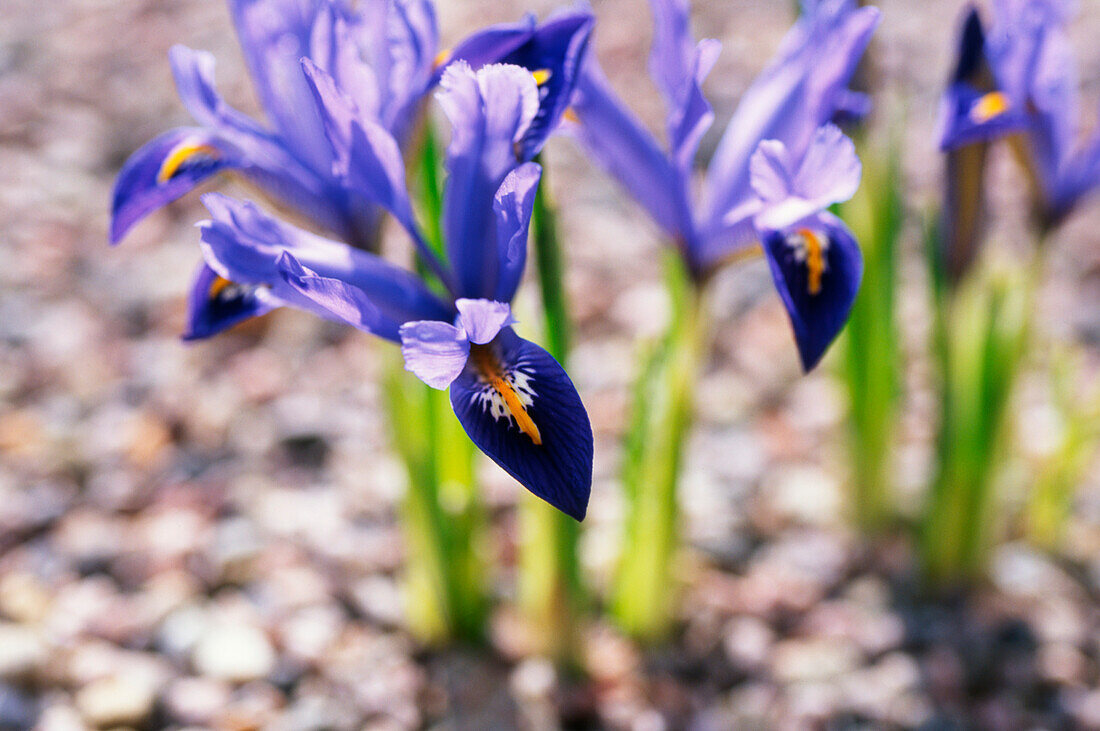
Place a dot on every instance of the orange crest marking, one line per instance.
(990, 106)
(219, 285)
(815, 259)
(180, 154)
(490, 370)
(441, 58)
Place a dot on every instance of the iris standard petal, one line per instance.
(673, 48)
(489, 111)
(435, 352)
(693, 115)
(274, 35)
(215, 304)
(481, 320)
(817, 269)
(520, 408)
(513, 205)
(411, 43)
(1029, 50)
(193, 72)
(244, 245)
(163, 170)
(367, 158)
(678, 66)
(554, 54)
(334, 48)
(621, 145)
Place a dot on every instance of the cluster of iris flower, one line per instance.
(343, 86)
(779, 166)
(1017, 83)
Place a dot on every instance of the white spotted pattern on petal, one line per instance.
(492, 401)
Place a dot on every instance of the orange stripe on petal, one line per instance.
(990, 106)
(815, 260)
(179, 156)
(488, 366)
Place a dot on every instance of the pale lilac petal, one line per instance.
(483, 319)
(435, 352)
(770, 170)
(831, 169)
(671, 58)
(274, 36)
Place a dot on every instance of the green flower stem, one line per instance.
(430, 189)
(644, 596)
(430, 587)
(550, 587)
(982, 328)
(1050, 500)
(874, 383)
(442, 515)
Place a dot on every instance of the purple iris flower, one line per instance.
(382, 53)
(814, 259)
(515, 401)
(802, 89)
(382, 56)
(1020, 81)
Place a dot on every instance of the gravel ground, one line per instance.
(203, 535)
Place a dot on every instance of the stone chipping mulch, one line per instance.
(204, 536)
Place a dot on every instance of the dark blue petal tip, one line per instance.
(520, 408)
(817, 269)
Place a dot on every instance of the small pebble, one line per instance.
(748, 642)
(21, 651)
(59, 717)
(533, 679)
(379, 598)
(23, 597)
(194, 700)
(818, 659)
(116, 700)
(236, 652)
